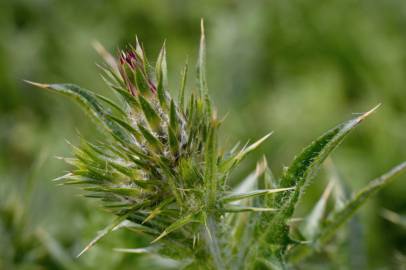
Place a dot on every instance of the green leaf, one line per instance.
(139, 228)
(201, 63)
(306, 164)
(233, 161)
(151, 139)
(147, 250)
(103, 233)
(343, 215)
(127, 97)
(89, 102)
(112, 79)
(158, 209)
(162, 77)
(142, 82)
(241, 208)
(139, 51)
(150, 114)
(252, 194)
(176, 225)
(126, 126)
(173, 142)
(72, 179)
(173, 118)
(111, 103)
(301, 171)
(181, 98)
(120, 191)
(147, 183)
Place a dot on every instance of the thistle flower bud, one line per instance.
(134, 72)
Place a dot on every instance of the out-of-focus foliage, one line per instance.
(289, 66)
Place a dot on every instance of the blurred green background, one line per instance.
(294, 67)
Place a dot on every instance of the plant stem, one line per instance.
(213, 243)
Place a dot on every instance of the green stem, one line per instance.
(213, 243)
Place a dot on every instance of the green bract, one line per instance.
(161, 173)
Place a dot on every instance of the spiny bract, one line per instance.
(163, 174)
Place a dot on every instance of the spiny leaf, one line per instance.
(139, 228)
(88, 101)
(72, 179)
(142, 82)
(201, 63)
(126, 126)
(139, 51)
(128, 98)
(111, 103)
(357, 201)
(103, 233)
(158, 209)
(173, 119)
(147, 250)
(147, 183)
(233, 161)
(240, 208)
(251, 194)
(162, 77)
(151, 139)
(181, 98)
(112, 79)
(173, 142)
(301, 171)
(150, 114)
(307, 162)
(175, 226)
(125, 191)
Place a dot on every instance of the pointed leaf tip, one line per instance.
(107, 57)
(368, 113)
(202, 28)
(257, 143)
(133, 250)
(103, 233)
(162, 235)
(201, 65)
(40, 85)
(182, 221)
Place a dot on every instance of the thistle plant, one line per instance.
(162, 172)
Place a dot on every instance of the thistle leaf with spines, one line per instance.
(302, 170)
